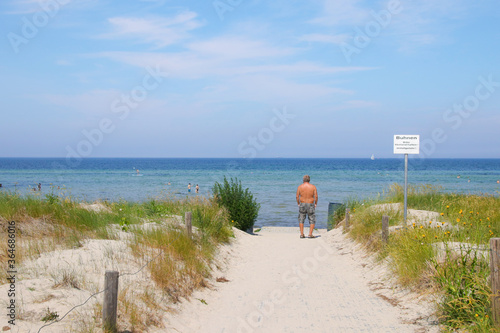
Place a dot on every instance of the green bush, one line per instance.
(242, 207)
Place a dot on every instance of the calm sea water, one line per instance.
(272, 181)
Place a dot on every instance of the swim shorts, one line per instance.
(309, 210)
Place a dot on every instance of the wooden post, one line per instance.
(110, 306)
(189, 226)
(385, 229)
(495, 279)
(347, 217)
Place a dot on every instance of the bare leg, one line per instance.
(301, 228)
(311, 228)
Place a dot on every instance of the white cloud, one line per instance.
(425, 22)
(418, 23)
(238, 48)
(154, 30)
(190, 65)
(323, 38)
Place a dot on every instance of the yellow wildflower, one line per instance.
(423, 236)
(447, 206)
(442, 214)
(430, 222)
(421, 227)
(460, 212)
(458, 219)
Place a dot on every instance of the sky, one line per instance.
(249, 78)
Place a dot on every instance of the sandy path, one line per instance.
(280, 283)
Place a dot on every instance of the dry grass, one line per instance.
(67, 279)
(413, 253)
(55, 224)
(183, 263)
(139, 310)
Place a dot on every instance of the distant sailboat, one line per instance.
(373, 157)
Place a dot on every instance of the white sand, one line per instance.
(277, 283)
(280, 283)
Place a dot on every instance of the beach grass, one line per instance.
(447, 255)
(177, 264)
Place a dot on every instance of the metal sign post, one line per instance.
(406, 187)
(406, 144)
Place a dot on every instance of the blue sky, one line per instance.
(248, 78)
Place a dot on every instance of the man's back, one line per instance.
(307, 193)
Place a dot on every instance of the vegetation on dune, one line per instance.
(178, 264)
(243, 209)
(448, 254)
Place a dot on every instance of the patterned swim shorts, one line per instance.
(309, 210)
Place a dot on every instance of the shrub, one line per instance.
(242, 207)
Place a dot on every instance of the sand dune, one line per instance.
(272, 281)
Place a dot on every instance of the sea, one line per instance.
(272, 181)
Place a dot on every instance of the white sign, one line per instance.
(406, 144)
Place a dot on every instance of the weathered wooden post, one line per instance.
(385, 229)
(495, 279)
(110, 306)
(347, 218)
(189, 226)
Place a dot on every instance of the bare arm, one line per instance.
(315, 197)
(298, 196)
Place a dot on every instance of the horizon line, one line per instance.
(243, 158)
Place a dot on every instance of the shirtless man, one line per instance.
(307, 199)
